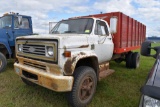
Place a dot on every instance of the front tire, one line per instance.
(84, 87)
(3, 62)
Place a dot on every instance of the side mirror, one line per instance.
(113, 25)
(146, 48)
(151, 91)
(19, 20)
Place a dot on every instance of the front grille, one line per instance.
(34, 49)
(42, 67)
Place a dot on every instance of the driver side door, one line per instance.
(22, 29)
(104, 45)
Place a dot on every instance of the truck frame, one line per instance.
(77, 54)
(12, 25)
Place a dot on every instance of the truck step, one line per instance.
(105, 73)
(104, 70)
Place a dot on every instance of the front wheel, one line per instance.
(84, 87)
(3, 62)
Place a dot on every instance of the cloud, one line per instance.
(39, 10)
(148, 3)
(43, 11)
(148, 12)
(124, 6)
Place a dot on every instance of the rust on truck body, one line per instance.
(104, 70)
(47, 67)
(70, 64)
(51, 78)
(84, 46)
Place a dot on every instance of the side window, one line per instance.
(24, 25)
(101, 28)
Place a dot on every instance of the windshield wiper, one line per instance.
(70, 32)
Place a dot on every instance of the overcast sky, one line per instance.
(44, 11)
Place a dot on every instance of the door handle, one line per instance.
(8, 35)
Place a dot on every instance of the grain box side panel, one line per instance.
(124, 31)
(133, 33)
(136, 35)
(144, 33)
(129, 32)
(140, 34)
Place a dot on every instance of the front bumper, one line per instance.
(49, 80)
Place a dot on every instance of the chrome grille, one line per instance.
(34, 49)
(42, 67)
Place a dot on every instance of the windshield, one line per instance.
(5, 22)
(78, 26)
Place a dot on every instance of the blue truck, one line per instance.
(12, 25)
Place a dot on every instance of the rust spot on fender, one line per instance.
(84, 46)
(71, 62)
(67, 66)
(73, 59)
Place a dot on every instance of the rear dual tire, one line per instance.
(132, 60)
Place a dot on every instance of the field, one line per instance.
(121, 89)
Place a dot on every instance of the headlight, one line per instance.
(50, 51)
(20, 47)
(150, 102)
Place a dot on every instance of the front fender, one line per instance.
(4, 42)
(70, 64)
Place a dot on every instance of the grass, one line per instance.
(121, 89)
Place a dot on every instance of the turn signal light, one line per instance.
(67, 53)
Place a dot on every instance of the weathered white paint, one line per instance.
(72, 42)
(81, 43)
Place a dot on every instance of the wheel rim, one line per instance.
(0, 63)
(86, 88)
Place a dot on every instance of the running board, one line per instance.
(104, 70)
(105, 73)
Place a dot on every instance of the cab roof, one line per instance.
(14, 14)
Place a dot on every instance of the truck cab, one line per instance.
(12, 25)
(95, 32)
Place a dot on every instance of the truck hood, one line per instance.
(64, 40)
